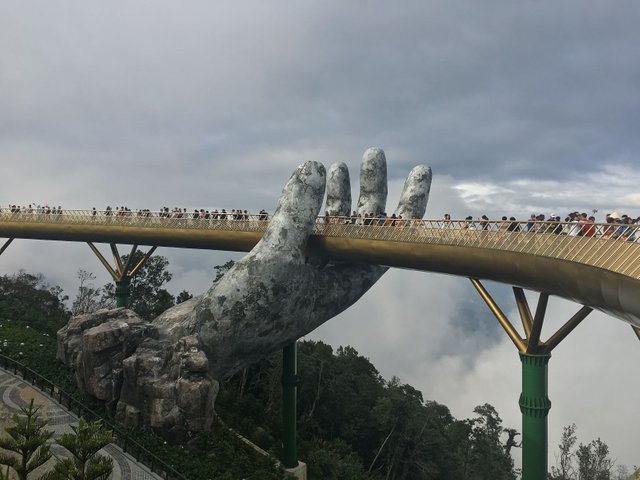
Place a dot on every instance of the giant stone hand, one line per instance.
(276, 294)
(163, 374)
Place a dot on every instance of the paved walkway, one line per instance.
(16, 393)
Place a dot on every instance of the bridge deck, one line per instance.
(601, 271)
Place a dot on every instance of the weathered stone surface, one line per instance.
(119, 358)
(177, 322)
(414, 197)
(163, 373)
(104, 347)
(167, 386)
(95, 346)
(373, 182)
(275, 295)
(69, 337)
(129, 415)
(338, 190)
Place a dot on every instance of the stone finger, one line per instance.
(415, 193)
(373, 182)
(296, 214)
(338, 190)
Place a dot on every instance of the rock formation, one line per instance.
(119, 359)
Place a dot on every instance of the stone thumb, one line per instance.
(296, 214)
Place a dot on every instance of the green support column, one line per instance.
(289, 417)
(534, 405)
(123, 291)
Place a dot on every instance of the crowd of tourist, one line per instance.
(381, 219)
(177, 212)
(39, 209)
(574, 224)
(164, 212)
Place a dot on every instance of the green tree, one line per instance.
(590, 461)
(594, 462)
(183, 296)
(622, 473)
(565, 469)
(26, 443)
(413, 442)
(148, 296)
(488, 458)
(85, 463)
(220, 270)
(28, 298)
(89, 298)
(354, 424)
(334, 461)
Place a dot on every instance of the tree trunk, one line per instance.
(382, 446)
(317, 397)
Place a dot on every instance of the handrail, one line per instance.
(258, 222)
(613, 247)
(128, 445)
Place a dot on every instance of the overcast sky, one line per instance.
(519, 107)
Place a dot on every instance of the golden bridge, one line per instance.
(600, 271)
(594, 265)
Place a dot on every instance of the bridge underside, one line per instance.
(610, 292)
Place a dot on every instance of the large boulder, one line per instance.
(167, 386)
(70, 336)
(120, 359)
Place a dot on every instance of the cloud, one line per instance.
(519, 108)
(494, 94)
(435, 334)
(605, 191)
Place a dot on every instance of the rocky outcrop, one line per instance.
(167, 386)
(70, 336)
(95, 345)
(118, 358)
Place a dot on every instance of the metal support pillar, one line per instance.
(534, 356)
(289, 417)
(123, 290)
(534, 406)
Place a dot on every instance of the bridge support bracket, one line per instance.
(5, 246)
(122, 273)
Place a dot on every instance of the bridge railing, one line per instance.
(611, 246)
(220, 221)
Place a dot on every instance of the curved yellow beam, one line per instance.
(612, 293)
(576, 268)
(6, 245)
(502, 318)
(523, 309)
